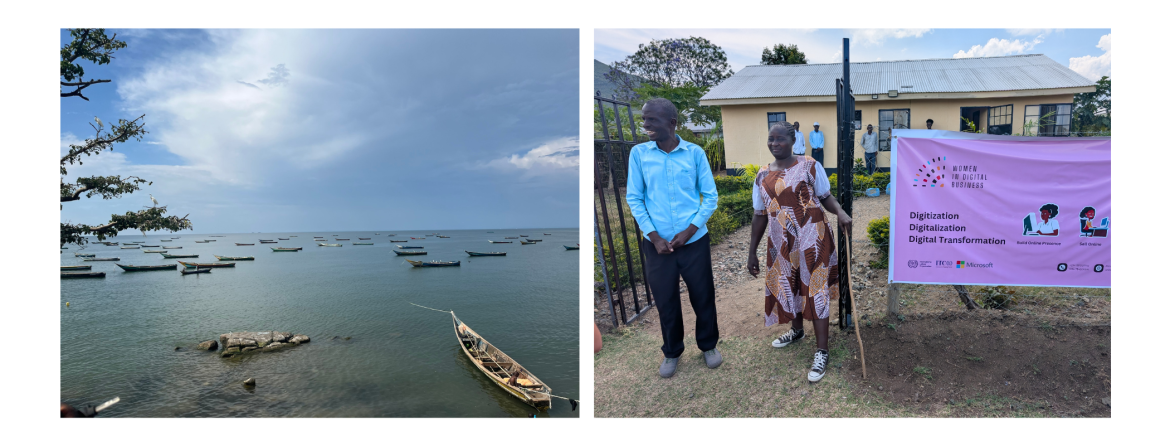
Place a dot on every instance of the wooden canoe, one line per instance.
(499, 367)
(132, 268)
(180, 256)
(154, 251)
(107, 259)
(522, 242)
(432, 263)
(359, 243)
(265, 242)
(149, 246)
(492, 241)
(571, 248)
(82, 275)
(172, 247)
(245, 244)
(286, 249)
(410, 253)
(76, 268)
(207, 265)
(409, 247)
(398, 241)
(164, 240)
(278, 238)
(363, 238)
(201, 241)
(485, 254)
(340, 239)
(507, 238)
(129, 247)
(235, 258)
(332, 245)
(195, 271)
(78, 254)
(534, 240)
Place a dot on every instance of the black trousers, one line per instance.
(871, 162)
(819, 155)
(693, 263)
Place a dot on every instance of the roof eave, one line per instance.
(903, 96)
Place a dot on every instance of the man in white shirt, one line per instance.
(869, 142)
(798, 144)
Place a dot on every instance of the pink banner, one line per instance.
(1000, 210)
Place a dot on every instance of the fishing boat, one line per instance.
(377, 233)
(268, 242)
(292, 236)
(340, 239)
(432, 263)
(106, 259)
(78, 254)
(207, 265)
(418, 238)
(278, 238)
(391, 235)
(493, 241)
(149, 246)
(154, 251)
(129, 247)
(359, 243)
(410, 253)
(547, 233)
(522, 242)
(286, 249)
(195, 271)
(172, 247)
(534, 240)
(132, 268)
(363, 238)
(82, 275)
(522, 235)
(265, 240)
(164, 240)
(444, 236)
(510, 238)
(398, 241)
(76, 267)
(211, 240)
(235, 258)
(180, 256)
(201, 241)
(245, 244)
(485, 254)
(409, 247)
(572, 248)
(500, 368)
(331, 245)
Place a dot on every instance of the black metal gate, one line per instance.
(845, 137)
(620, 262)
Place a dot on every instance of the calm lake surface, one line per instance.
(119, 334)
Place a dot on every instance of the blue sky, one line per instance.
(370, 129)
(1086, 51)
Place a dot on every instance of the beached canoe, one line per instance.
(207, 265)
(359, 243)
(432, 263)
(500, 368)
(245, 244)
(571, 248)
(154, 251)
(180, 256)
(235, 258)
(78, 254)
(286, 249)
(493, 241)
(478, 254)
(132, 268)
(195, 271)
(409, 247)
(410, 253)
(331, 245)
(107, 259)
(76, 267)
(82, 275)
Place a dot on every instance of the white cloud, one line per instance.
(552, 157)
(1017, 32)
(1094, 67)
(1000, 47)
(877, 36)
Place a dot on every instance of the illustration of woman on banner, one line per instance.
(1047, 225)
(1087, 227)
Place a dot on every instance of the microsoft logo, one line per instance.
(960, 264)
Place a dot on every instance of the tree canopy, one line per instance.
(93, 45)
(680, 70)
(1091, 111)
(781, 54)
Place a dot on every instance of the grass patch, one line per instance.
(995, 405)
(924, 371)
(975, 358)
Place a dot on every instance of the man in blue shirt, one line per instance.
(671, 193)
(816, 139)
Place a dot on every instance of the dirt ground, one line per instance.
(1047, 354)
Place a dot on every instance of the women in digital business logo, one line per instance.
(931, 173)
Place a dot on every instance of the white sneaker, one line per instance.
(818, 367)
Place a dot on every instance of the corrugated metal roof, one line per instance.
(1024, 72)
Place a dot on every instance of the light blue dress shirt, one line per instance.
(667, 192)
(816, 139)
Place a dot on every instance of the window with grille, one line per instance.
(776, 117)
(856, 119)
(999, 120)
(889, 120)
(1048, 119)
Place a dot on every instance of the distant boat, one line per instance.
(334, 235)
(444, 236)
(267, 242)
(208, 265)
(572, 248)
(340, 239)
(534, 240)
(107, 259)
(149, 246)
(409, 247)
(522, 242)
(492, 241)
(292, 236)
(76, 267)
(78, 254)
(211, 240)
(195, 271)
(511, 237)
(391, 235)
(177, 236)
(201, 241)
(132, 268)
(164, 240)
(278, 238)
(360, 243)
(180, 256)
(363, 238)
(215, 236)
(332, 245)
(399, 241)
(502, 369)
(377, 233)
(129, 247)
(245, 244)
(547, 233)
(286, 249)
(419, 238)
(82, 275)
(235, 258)
(432, 263)
(410, 253)
(172, 247)
(154, 251)
(485, 254)
(522, 235)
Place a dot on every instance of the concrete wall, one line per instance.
(745, 127)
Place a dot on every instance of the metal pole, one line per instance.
(844, 184)
(604, 273)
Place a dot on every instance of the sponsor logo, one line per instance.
(931, 174)
(912, 263)
(966, 264)
(1062, 267)
(1098, 267)
(943, 263)
(960, 264)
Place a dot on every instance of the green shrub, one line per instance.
(880, 180)
(720, 225)
(879, 236)
(728, 184)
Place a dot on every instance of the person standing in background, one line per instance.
(929, 123)
(798, 146)
(816, 139)
(869, 142)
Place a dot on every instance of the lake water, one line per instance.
(118, 335)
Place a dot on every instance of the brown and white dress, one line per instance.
(802, 258)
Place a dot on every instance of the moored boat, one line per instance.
(195, 271)
(131, 268)
(507, 238)
(522, 235)
(201, 241)
(493, 241)
(76, 267)
(489, 254)
(398, 241)
(547, 233)
(180, 256)
(154, 251)
(363, 238)
(245, 244)
(572, 248)
(522, 242)
(409, 247)
(432, 263)
(107, 259)
(360, 243)
(149, 246)
(235, 258)
(129, 247)
(500, 368)
(207, 265)
(534, 240)
(82, 275)
(410, 253)
(286, 249)
(172, 247)
(331, 245)
(78, 254)
(278, 238)
(340, 239)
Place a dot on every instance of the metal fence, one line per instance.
(617, 237)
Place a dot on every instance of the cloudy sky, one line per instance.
(1086, 51)
(308, 130)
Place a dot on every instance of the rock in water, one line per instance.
(250, 382)
(209, 345)
(228, 352)
(250, 341)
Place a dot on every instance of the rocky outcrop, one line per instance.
(208, 345)
(237, 343)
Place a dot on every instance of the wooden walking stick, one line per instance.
(852, 306)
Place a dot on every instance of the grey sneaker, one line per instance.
(713, 358)
(818, 367)
(788, 338)
(668, 367)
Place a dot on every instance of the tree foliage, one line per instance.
(781, 54)
(1091, 111)
(93, 45)
(685, 98)
(680, 70)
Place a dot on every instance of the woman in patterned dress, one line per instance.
(801, 275)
